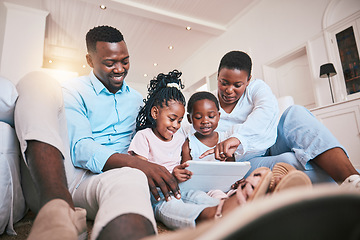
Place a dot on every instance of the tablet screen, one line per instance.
(214, 175)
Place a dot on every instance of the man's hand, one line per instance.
(224, 149)
(157, 175)
(181, 173)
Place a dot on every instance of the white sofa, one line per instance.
(12, 202)
(284, 102)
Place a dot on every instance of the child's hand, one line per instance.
(182, 174)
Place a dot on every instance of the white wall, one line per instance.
(141, 88)
(23, 40)
(272, 29)
(2, 26)
(22, 32)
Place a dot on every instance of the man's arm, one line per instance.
(158, 176)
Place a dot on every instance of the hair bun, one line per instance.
(175, 85)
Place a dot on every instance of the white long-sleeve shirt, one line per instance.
(253, 120)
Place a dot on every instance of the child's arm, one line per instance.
(185, 153)
(179, 172)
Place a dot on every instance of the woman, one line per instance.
(249, 109)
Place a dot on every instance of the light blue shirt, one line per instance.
(100, 123)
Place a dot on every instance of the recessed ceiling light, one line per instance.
(170, 47)
(50, 61)
(155, 64)
(103, 7)
(188, 28)
(84, 66)
(145, 75)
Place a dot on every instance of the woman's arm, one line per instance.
(258, 130)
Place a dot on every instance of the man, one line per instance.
(110, 187)
(101, 110)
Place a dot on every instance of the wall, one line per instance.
(22, 40)
(269, 30)
(22, 32)
(2, 26)
(272, 29)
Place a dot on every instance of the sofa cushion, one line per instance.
(8, 96)
(12, 202)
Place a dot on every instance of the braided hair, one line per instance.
(162, 89)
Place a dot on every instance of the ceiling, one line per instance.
(149, 28)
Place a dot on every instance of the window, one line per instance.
(349, 57)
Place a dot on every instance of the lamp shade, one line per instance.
(326, 70)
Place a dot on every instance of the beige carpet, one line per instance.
(23, 227)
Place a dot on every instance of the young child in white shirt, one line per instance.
(204, 115)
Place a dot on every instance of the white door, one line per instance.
(294, 79)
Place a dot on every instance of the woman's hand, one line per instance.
(224, 149)
(238, 183)
(180, 172)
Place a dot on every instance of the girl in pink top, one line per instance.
(158, 140)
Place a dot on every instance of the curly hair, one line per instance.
(162, 89)
(102, 34)
(201, 96)
(236, 60)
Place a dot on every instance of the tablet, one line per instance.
(214, 175)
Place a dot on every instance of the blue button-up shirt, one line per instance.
(100, 123)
